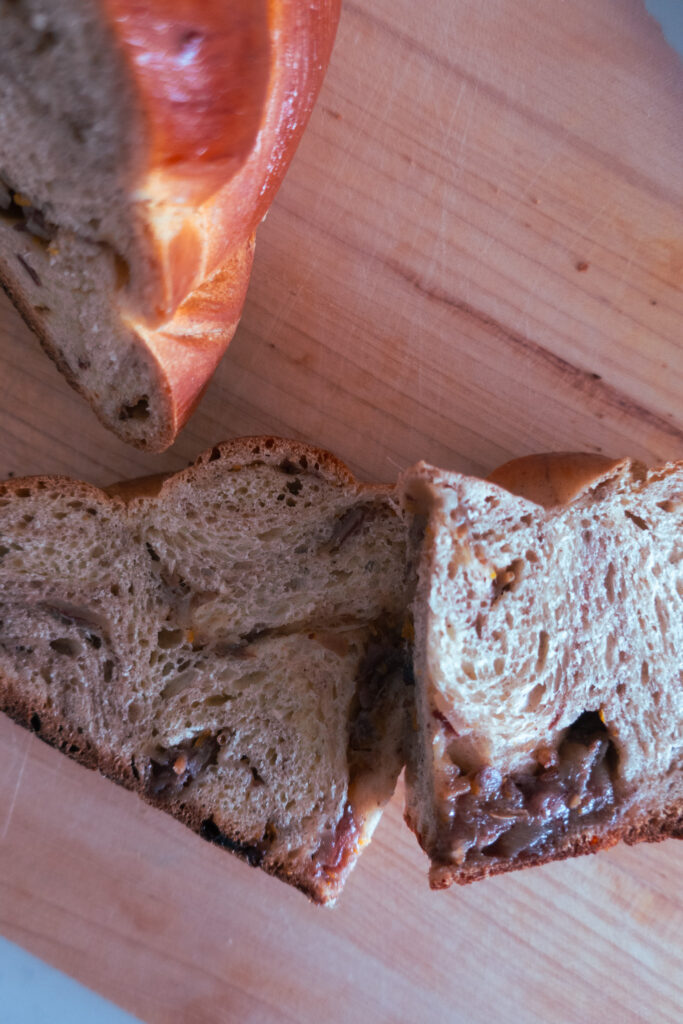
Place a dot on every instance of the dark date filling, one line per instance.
(381, 685)
(491, 816)
(382, 681)
(379, 672)
(24, 217)
(348, 524)
(337, 851)
(174, 768)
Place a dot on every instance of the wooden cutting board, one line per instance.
(478, 253)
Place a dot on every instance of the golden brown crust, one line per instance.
(225, 91)
(189, 347)
(554, 478)
(140, 487)
(183, 353)
(202, 78)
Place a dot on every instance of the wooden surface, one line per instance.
(478, 253)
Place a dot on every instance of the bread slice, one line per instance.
(229, 643)
(224, 642)
(548, 630)
(140, 147)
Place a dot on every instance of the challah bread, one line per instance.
(140, 147)
(224, 642)
(548, 626)
(258, 643)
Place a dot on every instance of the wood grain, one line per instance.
(478, 253)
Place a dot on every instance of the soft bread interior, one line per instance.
(74, 250)
(77, 612)
(281, 582)
(276, 547)
(71, 128)
(546, 661)
(88, 247)
(99, 352)
(273, 722)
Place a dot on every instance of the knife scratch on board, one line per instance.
(622, 281)
(466, 129)
(556, 150)
(17, 785)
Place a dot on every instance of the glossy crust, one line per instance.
(140, 487)
(182, 353)
(187, 349)
(321, 887)
(554, 479)
(226, 90)
(247, 74)
(224, 167)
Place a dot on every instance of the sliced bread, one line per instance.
(140, 147)
(257, 645)
(224, 642)
(548, 629)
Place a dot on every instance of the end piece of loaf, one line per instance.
(140, 147)
(547, 642)
(224, 642)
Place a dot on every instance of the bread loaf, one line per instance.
(259, 643)
(141, 145)
(548, 626)
(224, 642)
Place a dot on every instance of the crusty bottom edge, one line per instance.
(67, 740)
(666, 825)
